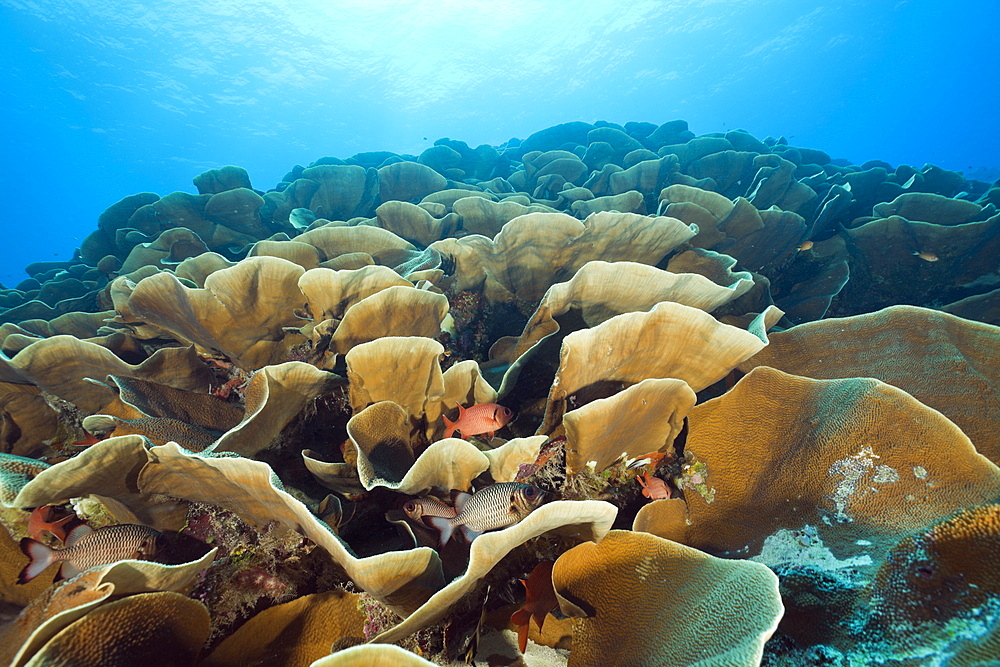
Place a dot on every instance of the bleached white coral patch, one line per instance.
(805, 548)
(854, 470)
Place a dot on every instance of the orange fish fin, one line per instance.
(521, 618)
(449, 427)
(86, 442)
(643, 480)
(540, 618)
(58, 528)
(522, 637)
(540, 594)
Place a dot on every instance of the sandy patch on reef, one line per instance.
(500, 648)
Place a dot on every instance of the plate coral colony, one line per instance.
(611, 395)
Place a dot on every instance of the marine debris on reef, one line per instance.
(689, 372)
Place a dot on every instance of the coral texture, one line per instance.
(764, 362)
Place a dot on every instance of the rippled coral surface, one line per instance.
(803, 354)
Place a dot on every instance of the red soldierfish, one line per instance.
(44, 519)
(89, 548)
(653, 488)
(482, 418)
(87, 441)
(495, 506)
(540, 599)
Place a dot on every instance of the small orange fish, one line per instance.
(44, 519)
(653, 488)
(805, 245)
(926, 256)
(91, 439)
(235, 384)
(540, 599)
(652, 459)
(547, 451)
(479, 419)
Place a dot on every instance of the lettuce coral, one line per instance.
(649, 304)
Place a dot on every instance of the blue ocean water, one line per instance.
(101, 100)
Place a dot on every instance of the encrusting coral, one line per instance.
(270, 373)
(937, 579)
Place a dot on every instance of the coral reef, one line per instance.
(738, 372)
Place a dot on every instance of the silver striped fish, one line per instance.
(89, 548)
(495, 506)
(419, 508)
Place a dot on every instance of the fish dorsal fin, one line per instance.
(460, 499)
(78, 533)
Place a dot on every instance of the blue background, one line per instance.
(100, 100)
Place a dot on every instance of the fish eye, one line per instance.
(530, 492)
(410, 507)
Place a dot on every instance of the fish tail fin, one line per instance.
(443, 526)
(66, 571)
(41, 557)
(521, 618)
(470, 534)
(449, 427)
